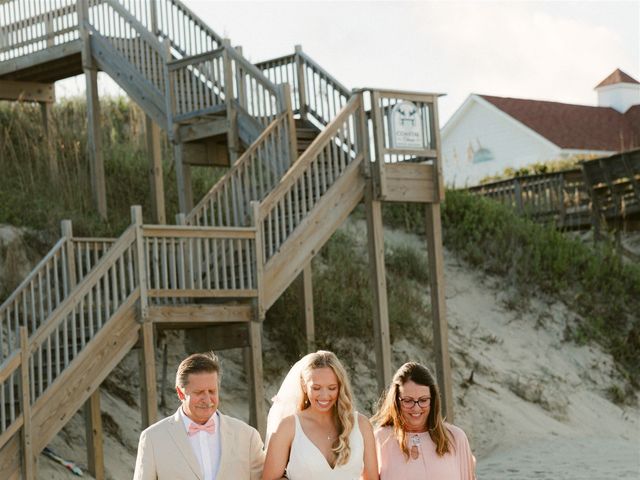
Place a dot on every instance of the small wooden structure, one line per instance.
(303, 152)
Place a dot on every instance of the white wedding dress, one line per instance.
(306, 461)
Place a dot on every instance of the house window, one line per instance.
(482, 155)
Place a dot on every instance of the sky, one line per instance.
(545, 50)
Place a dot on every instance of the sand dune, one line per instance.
(537, 407)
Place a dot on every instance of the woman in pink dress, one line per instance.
(412, 440)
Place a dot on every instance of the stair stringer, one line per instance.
(314, 231)
(69, 392)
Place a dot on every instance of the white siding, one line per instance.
(481, 126)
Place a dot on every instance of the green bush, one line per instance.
(593, 281)
(343, 301)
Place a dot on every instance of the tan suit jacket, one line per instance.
(164, 452)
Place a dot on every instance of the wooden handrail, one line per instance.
(290, 178)
(189, 15)
(140, 29)
(124, 242)
(283, 60)
(186, 61)
(37, 270)
(316, 66)
(184, 231)
(256, 74)
(244, 163)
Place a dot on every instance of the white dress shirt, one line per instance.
(206, 447)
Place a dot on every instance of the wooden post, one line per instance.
(258, 413)
(94, 138)
(378, 284)
(285, 94)
(46, 111)
(259, 245)
(438, 307)
(379, 181)
(229, 97)
(155, 171)
(148, 397)
(28, 459)
(67, 232)
(93, 432)
(94, 143)
(302, 89)
(136, 219)
(306, 305)
(183, 177)
(517, 191)
(242, 89)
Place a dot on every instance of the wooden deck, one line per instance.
(601, 192)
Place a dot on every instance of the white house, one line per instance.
(488, 134)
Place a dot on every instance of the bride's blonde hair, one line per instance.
(343, 410)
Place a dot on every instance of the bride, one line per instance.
(313, 433)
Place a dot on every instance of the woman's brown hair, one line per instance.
(389, 412)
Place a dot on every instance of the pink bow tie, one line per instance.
(208, 427)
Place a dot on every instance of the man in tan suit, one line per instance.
(198, 442)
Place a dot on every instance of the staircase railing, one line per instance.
(199, 262)
(28, 27)
(315, 93)
(46, 287)
(315, 171)
(77, 319)
(204, 83)
(251, 178)
(119, 28)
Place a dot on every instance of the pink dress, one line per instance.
(455, 465)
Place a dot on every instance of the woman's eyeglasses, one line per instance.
(422, 402)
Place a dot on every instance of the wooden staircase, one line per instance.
(302, 155)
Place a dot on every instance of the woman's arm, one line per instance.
(370, 471)
(278, 450)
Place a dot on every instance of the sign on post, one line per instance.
(406, 126)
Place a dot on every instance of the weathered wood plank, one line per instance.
(27, 91)
(193, 314)
(378, 285)
(179, 231)
(184, 292)
(94, 435)
(438, 306)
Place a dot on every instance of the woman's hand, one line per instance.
(278, 449)
(370, 471)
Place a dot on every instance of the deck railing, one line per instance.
(27, 27)
(557, 197)
(315, 94)
(315, 172)
(46, 287)
(251, 178)
(183, 261)
(125, 34)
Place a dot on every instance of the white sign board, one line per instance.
(406, 126)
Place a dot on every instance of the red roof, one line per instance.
(578, 127)
(618, 76)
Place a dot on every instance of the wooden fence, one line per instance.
(604, 191)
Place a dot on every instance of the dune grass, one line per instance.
(31, 196)
(536, 259)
